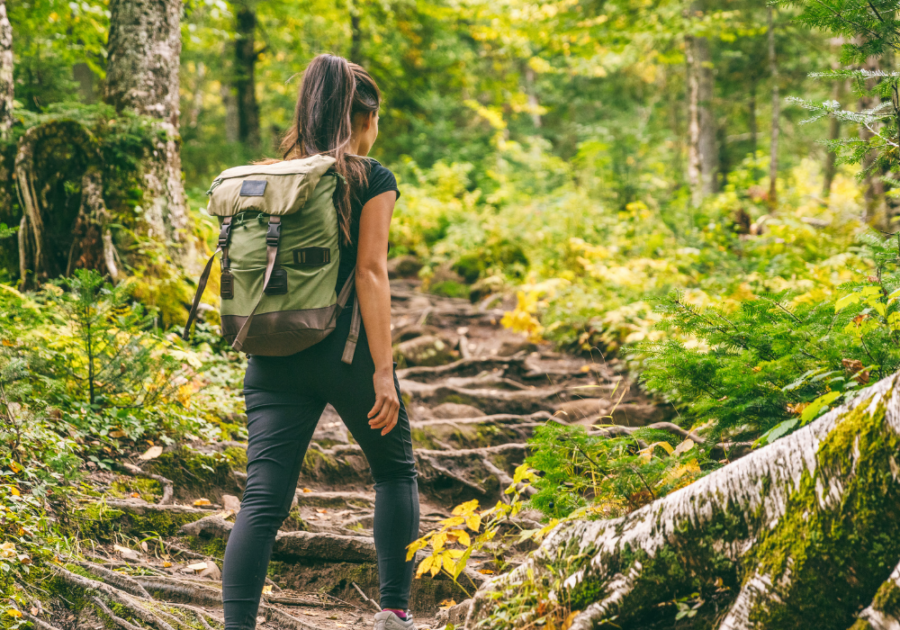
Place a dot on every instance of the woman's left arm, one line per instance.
(374, 294)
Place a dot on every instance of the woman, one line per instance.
(337, 114)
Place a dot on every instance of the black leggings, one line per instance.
(285, 397)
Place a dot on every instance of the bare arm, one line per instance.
(374, 294)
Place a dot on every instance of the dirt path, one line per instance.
(472, 409)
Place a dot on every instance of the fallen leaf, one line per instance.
(684, 447)
(322, 510)
(25, 559)
(144, 546)
(200, 502)
(585, 368)
(12, 612)
(15, 491)
(135, 495)
(34, 611)
(447, 603)
(151, 453)
(117, 434)
(486, 571)
(166, 565)
(306, 490)
(197, 567)
(267, 589)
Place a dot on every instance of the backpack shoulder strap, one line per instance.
(222, 246)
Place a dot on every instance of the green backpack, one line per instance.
(280, 246)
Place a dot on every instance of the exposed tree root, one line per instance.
(182, 591)
(284, 620)
(119, 580)
(141, 508)
(767, 525)
(167, 485)
(735, 448)
(130, 603)
(492, 401)
(38, 623)
(213, 526)
(125, 625)
(884, 611)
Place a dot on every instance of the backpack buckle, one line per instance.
(273, 233)
(224, 233)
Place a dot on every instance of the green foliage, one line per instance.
(601, 476)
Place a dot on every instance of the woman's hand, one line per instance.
(387, 406)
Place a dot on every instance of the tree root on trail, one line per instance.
(115, 619)
(142, 508)
(284, 620)
(167, 485)
(213, 526)
(38, 623)
(119, 580)
(883, 613)
(778, 527)
(135, 606)
(491, 401)
(182, 591)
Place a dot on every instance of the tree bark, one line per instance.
(834, 132)
(804, 533)
(245, 56)
(751, 119)
(776, 108)
(694, 164)
(142, 76)
(709, 154)
(873, 186)
(355, 35)
(7, 88)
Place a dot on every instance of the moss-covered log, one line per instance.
(804, 533)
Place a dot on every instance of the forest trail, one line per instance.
(472, 409)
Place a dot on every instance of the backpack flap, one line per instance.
(273, 189)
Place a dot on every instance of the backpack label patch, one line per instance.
(253, 188)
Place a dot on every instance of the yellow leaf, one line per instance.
(167, 564)
(152, 453)
(463, 538)
(447, 603)
(424, 566)
(453, 521)
(200, 502)
(436, 565)
(14, 466)
(464, 509)
(12, 612)
(455, 553)
(267, 589)
(15, 491)
(473, 522)
(449, 564)
(117, 434)
(437, 543)
(486, 571)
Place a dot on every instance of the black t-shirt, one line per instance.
(381, 180)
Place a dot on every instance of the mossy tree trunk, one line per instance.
(60, 230)
(142, 76)
(804, 533)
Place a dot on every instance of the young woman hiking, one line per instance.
(337, 114)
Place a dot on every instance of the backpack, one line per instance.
(280, 245)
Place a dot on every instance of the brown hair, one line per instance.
(332, 92)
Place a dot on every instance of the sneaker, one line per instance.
(387, 620)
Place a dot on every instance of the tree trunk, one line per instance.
(229, 102)
(804, 533)
(142, 76)
(245, 56)
(355, 35)
(751, 119)
(7, 88)
(873, 186)
(834, 132)
(533, 102)
(694, 164)
(709, 153)
(776, 107)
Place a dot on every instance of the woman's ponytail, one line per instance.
(332, 92)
